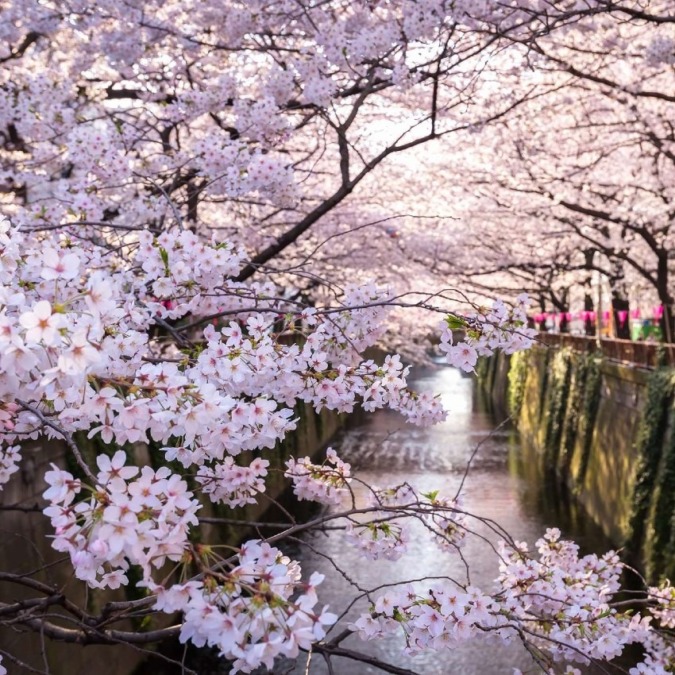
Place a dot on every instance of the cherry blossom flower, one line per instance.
(41, 324)
(57, 265)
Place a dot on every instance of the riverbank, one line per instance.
(605, 431)
(499, 492)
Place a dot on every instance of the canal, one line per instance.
(504, 484)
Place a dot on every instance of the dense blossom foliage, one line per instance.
(583, 174)
(247, 612)
(180, 273)
(78, 356)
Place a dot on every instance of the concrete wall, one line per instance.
(604, 430)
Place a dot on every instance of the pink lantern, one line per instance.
(623, 315)
(658, 312)
(635, 313)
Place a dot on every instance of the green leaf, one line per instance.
(164, 255)
(455, 322)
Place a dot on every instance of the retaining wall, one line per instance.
(605, 430)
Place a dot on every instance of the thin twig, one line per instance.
(66, 437)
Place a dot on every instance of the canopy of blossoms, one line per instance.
(168, 174)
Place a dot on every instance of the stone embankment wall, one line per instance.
(606, 431)
(25, 546)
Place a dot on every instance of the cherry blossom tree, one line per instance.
(586, 170)
(182, 189)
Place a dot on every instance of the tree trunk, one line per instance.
(589, 305)
(589, 322)
(621, 320)
(666, 300)
(564, 323)
(620, 303)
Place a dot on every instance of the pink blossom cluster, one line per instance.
(9, 462)
(442, 516)
(232, 484)
(659, 650)
(664, 610)
(124, 522)
(326, 483)
(438, 618)
(252, 612)
(402, 494)
(187, 269)
(87, 345)
(418, 408)
(486, 331)
(379, 538)
(560, 600)
(74, 346)
(559, 596)
(77, 355)
(447, 521)
(386, 532)
(91, 136)
(659, 656)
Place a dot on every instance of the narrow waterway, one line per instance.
(502, 486)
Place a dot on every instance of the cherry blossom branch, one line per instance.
(72, 446)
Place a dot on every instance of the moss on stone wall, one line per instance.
(517, 376)
(482, 370)
(607, 431)
(578, 371)
(588, 414)
(543, 384)
(557, 393)
(649, 447)
(662, 550)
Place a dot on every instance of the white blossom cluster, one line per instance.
(486, 331)
(10, 457)
(326, 483)
(232, 484)
(377, 539)
(557, 599)
(140, 522)
(252, 613)
(386, 531)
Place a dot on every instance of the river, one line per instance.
(502, 485)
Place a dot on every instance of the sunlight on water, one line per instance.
(384, 451)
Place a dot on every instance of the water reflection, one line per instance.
(384, 451)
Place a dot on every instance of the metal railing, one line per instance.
(640, 354)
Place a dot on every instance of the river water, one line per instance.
(503, 485)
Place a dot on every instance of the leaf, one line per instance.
(164, 255)
(455, 322)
